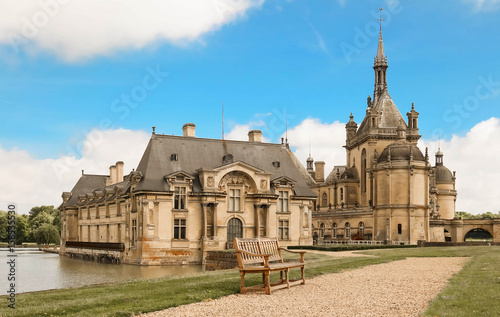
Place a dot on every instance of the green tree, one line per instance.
(46, 234)
(40, 219)
(3, 226)
(40, 215)
(22, 229)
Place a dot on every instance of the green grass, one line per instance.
(474, 291)
(350, 247)
(125, 299)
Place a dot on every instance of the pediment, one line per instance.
(239, 165)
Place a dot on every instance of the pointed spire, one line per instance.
(380, 67)
(380, 58)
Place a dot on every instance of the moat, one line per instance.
(37, 271)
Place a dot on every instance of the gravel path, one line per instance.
(398, 288)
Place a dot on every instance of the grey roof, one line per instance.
(86, 184)
(401, 150)
(332, 177)
(443, 174)
(195, 153)
(389, 115)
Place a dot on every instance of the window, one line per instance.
(179, 229)
(348, 230)
(234, 229)
(283, 201)
(322, 230)
(334, 229)
(180, 198)
(400, 228)
(324, 200)
(341, 194)
(234, 199)
(134, 232)
(363, 170)
(283, 228)
(361, 229)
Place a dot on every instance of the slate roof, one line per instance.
(86, 184)
(401, 150)
(195, 153)
(389, 115)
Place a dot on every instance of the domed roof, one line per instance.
(443, 174)
(350, 173)
(400, 150)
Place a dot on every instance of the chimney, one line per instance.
(255, 136)
(119, 172)
(320, 171)
(112, 175)
(188, 129)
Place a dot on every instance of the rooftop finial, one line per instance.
(154, 128)
(380, 20)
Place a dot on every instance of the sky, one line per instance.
(84, 82)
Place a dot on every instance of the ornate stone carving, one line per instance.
(210, 181)
(263, 184)
(236, 178)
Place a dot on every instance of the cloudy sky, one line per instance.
(83, 82)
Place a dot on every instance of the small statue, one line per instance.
(369, 101)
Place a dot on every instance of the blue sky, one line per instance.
(310, 59)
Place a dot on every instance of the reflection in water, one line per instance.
(37, 270)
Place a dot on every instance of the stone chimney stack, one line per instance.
(119, 172)
(112, 175)
(255, 136)
(319, 176)
(189, 130)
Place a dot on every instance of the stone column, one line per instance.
(156, 216)
(257, 220)
(215, 219)
(204, 207)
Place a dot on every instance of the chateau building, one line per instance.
(388, 190)
(188, 196)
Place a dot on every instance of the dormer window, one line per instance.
(227, 159)
(276, 164)
(283, 201)
(180, 198)
(174, 157)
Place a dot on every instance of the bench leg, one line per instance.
(302, 269)
(243, 289)
(287, 276)
(267, 283)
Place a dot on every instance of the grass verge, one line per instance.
(125, 299)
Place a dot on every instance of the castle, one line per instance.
(189, 196)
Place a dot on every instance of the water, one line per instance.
(37, 271)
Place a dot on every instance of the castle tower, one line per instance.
(380, 68)
(413, 135)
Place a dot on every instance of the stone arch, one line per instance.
(234, 229)
(238, 178)
(478, 234)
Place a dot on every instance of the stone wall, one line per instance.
(221, 260)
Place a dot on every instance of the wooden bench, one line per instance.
(263, 255)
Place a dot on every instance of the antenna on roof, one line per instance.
(286, 128)
(222, 119)
(439, 140)
(309, 146)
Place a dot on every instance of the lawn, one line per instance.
(478, 285)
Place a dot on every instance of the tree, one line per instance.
(40, 219)
(46, 234)
(3, 226)
(22, 229)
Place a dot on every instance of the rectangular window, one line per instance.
(180, 198)
(234, 199)
(134, 232)
(283, 201)
(283, 229)
(179, 229)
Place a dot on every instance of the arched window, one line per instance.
(348, 230)
(234, 229)
(361, 229)
(322, 230)
(334, 229)
(400, 228)
(324, 200)
(341, 194)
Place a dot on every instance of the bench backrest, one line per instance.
(257, 246)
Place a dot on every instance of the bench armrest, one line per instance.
(265, 256)
(300, 252)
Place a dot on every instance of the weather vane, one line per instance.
(380, 19)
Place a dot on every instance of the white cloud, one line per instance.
(485, 5)
(475, 158)
(76, 30)
(32, 182)
(326, 141)
(239, 132)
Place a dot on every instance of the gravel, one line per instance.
(398, 288)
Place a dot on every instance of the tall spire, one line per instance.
(380, 66)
